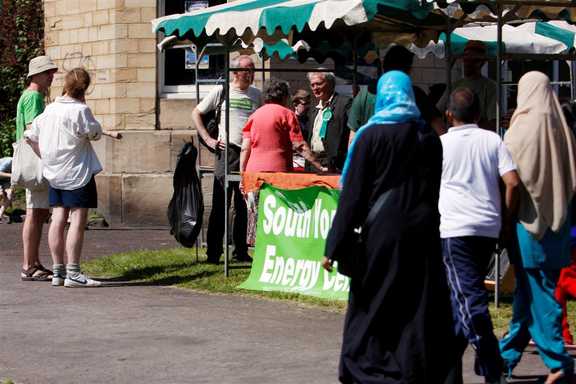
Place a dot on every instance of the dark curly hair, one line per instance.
(276, 92)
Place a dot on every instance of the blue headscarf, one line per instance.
(395, 104)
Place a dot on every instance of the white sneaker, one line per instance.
(80, 281)
(58, 280)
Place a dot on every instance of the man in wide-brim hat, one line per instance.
(473, 59)
(41, 72)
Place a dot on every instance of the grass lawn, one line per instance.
(179, 267)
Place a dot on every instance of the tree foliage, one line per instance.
(21, 39)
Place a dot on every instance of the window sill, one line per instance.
(181, 95)
(185, 92)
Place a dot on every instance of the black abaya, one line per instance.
(398, 326)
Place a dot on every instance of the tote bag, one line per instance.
(26, 167)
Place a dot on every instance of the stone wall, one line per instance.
(113, 40)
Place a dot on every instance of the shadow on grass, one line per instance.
(167, 275)
(239, 266)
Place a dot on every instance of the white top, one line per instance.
(316, 143)
(63, 132)
(473, 162)
(242, 104)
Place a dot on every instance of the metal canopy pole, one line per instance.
(226, 168)
(500, 130)
(572, 81)
(263, 72)
(355, 66)
(448, 57)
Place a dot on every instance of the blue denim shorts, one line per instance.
(83, 197)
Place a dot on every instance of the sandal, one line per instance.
(36, 273)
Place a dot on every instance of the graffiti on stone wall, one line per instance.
(78, 60)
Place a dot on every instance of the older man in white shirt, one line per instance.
(244, 100)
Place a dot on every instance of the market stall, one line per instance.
(269, 25)
(275, 27)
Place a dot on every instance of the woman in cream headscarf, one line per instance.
(543, 148)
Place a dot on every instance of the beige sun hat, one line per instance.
(40, 64)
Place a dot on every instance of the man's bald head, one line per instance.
(464, 106)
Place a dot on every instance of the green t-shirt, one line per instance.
(362, 109)
(30, 105)
(484, 88)
(486, 91)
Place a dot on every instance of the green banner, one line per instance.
(291, 233)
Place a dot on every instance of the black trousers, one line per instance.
(216, 221)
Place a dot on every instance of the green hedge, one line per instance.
(21, 39)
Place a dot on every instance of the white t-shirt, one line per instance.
(242, 104)
(63, 132)
(474, 160)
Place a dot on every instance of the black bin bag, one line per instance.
(186, 209)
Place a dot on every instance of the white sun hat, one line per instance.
(40, 64)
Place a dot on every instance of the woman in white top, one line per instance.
(61, 136)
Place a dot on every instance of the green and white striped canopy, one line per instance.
(532, 38)
(269, 16)
(470, 11)
(271, 27)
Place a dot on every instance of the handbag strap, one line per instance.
(383, 198)
(220, 102)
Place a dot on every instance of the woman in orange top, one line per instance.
(272, 134)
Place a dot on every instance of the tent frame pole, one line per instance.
(263, 72)
(572, 80)
(500, 130)
(226, 168)
(355, 66)
(448, 56)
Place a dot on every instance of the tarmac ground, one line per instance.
(155, 334)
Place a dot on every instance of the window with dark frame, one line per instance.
(175, 66)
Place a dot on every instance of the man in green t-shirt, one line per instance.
(397, 58)
(41, 72)
(473, 60)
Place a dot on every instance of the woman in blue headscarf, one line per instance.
(398, 327)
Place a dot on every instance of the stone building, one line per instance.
(146, 94)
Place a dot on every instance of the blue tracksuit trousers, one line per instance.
(466, 261)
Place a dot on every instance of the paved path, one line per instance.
(144, 334)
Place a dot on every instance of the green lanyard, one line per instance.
(326, 117)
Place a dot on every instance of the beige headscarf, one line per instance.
(544, 150)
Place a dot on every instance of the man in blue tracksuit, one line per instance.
(475, 160)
